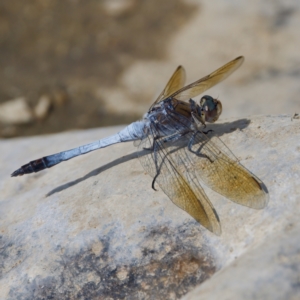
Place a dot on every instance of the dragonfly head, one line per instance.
(211, 108)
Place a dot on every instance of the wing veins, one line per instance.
(208, 81)
(188, 197)
(176, 82)
(227, 176)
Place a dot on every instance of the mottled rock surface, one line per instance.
(269, 271)
(92, 227)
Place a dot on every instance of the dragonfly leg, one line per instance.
(153, 182)
(198, 121)
(198, 152)
(156, 146)
(193, 105)
(152, 146)
(198, 114)
(155, 151)
(207, 131)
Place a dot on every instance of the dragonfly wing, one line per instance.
(220, 170)
(203, 84)
(175, 83)
(178, 180)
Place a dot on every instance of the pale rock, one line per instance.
(269, 271)
(42, 108)
(16, 111)
(92, 227)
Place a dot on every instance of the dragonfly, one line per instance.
(178, 153)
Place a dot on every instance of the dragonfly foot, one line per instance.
(148, 149)
(153, 183)
(208, 131)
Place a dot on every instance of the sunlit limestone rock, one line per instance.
(93, 228)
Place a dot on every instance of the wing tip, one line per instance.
(217, 231)
(263, 198)
(217, 225)
(241, 57)
(262, 202)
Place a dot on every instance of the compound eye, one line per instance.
(211, 107)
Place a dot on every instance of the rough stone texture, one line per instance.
(270, 271)
(92, 227)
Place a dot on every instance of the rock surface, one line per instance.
(41, 110)
(92, 227)
(270, 271)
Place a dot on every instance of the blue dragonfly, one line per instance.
(178, 153)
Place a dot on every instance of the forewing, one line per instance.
(203, 84)
(176, 82)
(178, 180)
(219, 169)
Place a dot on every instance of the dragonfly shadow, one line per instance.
(96, 172)
(219, 130)
(228, 127)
